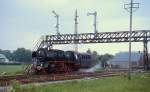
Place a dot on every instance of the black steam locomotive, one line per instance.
(59, 61)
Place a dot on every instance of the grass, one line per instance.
(11, 69)
(139, 83)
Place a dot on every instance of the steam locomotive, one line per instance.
(59, 61)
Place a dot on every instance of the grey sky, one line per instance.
(22, 22)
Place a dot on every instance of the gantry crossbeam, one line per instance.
(103, 37)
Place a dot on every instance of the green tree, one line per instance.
(95, 54)
(104, 58)
(22, 55)
(95, 57)
(89, 51)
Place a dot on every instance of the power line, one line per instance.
(130, 7)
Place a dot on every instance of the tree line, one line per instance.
(99, 58)
(24, 56)
(20, 55)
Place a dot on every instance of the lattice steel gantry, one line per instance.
(102, 37)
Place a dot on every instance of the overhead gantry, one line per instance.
(102, 37)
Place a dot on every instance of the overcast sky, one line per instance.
(22, 22)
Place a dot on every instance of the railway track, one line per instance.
(24, 79)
